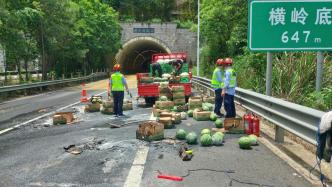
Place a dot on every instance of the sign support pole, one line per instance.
(319, 74)
(198, 33)
(279, 132)
(269, 74)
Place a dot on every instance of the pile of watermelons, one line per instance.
(208, 140)
(191, 138)
(246, 142)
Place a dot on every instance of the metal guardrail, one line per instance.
(48, 83)
(297, 119)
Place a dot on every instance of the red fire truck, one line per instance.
(150, 91)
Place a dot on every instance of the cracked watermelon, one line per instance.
(191, 138)
(206, 140)
(184, 115)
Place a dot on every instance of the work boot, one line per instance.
(220, 115)
(122, 116)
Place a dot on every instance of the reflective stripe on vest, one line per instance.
(214, 81)
(232, 82)
(117, 84)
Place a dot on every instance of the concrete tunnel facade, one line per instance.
(135, 55)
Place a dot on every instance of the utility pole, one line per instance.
(198, 34)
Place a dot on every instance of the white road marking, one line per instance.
(136, 171)
(42, 116)
(134, 177)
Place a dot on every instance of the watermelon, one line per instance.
(163, 98)
(205, 108)
(245, 143)
(217, 139)
(208, 106)
(181, 134)
(220, 133)
(190, 113)
(253, 139)
(206, 131)
(174, 109)
(184, 116)
(219, 123)
(213, 116)
(191, 138)
(206, 140)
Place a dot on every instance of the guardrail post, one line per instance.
(71, 75)
(211, 93)
(63, 76)
(279, 134)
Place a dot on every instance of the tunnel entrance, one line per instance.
(136, 54)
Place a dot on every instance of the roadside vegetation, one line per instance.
(224, 33)
(65, 36)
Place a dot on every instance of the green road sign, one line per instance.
(290, 25)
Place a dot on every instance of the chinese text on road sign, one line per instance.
(290, 25)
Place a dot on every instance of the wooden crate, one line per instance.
(201, 115)
(234, 125)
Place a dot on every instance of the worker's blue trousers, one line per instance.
(229, 106)
(118, 102)
(218, 101)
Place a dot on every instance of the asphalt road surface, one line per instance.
(34, 155)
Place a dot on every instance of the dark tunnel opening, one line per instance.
(135, 56)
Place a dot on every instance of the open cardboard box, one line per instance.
(234, 125)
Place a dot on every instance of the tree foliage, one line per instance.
(143, 10)
(66, 35)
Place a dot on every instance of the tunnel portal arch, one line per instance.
(135, 55)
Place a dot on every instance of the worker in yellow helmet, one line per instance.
(117, 85)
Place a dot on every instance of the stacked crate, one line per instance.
(195, 103)
(107, 107)
(164, 90)
(178, 94)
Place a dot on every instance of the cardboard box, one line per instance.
(150, 131)
(234, 125)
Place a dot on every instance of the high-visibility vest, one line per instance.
(232, 82)
(117, 84)
(214, 81)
